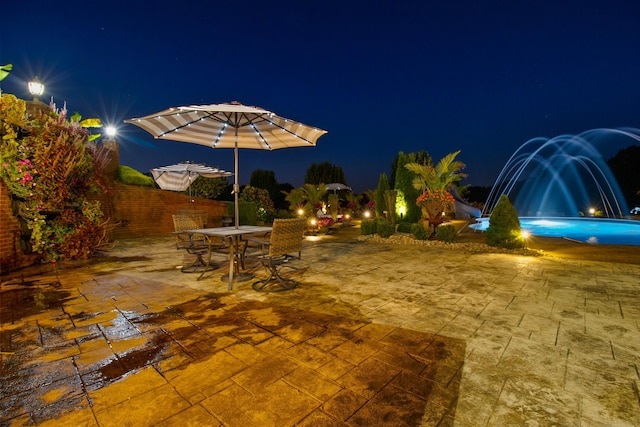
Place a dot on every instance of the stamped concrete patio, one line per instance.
(376, 334)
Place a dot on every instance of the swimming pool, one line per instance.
(587, 230)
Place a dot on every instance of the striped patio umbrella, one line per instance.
(180, 176)
(232, 125)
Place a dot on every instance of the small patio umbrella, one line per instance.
(179, 177)
(211, 125)
(337, 186)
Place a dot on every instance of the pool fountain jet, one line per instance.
(561, 177)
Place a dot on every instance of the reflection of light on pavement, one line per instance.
(523, 261)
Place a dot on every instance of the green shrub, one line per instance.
(383, 187)
(247, 212)
(368, 227)
(208, 188)
(419, 232)
(385, 228)
(128, 175)
(446, 233)
(504, 226)
(285, 214)
(404, 227)
(265, 211)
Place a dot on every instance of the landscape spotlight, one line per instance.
(525, 235)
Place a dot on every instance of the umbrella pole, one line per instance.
(236, 187)
(190, 198)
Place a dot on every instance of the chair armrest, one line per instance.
(259, 242)
(183, 240)
(262, 244)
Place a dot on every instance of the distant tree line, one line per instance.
(624, 166)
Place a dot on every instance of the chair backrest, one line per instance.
(187, 222)
(286, 236)
(202, 213)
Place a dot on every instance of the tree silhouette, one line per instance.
(266, 179)
(324, 173)
(624, 166)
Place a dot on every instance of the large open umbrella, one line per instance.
(211, 125)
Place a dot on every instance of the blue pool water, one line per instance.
(586, 230)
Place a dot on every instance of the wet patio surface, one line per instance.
(375, 334)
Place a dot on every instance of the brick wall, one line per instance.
(11, 254)
(144, 211)
(139, 211)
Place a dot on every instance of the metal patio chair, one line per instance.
(283, 246)
(195, 244)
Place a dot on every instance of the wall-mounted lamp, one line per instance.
(111, 131)
(36, 88)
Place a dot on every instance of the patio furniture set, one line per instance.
(273, 246)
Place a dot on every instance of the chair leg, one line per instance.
(280, 283)
(200, 265)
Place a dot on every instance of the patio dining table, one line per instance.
(234, 235)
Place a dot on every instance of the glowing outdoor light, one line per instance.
(402, 211)
(36, 88)
(300, 212)
(111, 131)
(525, 235)
(592, 211)
(366, 214)
(313, 222)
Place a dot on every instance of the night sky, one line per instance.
(380, 76)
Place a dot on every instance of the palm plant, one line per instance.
(353, 202)
(295, 198)
(434, 182)
(443, 176)
(308, 198)
(314, 194)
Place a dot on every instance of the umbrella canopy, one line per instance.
(232, 125)
(337, 186)
(180, 176)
